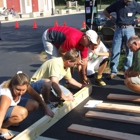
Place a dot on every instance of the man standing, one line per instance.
(59, 40)
(125, 12)
(132, 74)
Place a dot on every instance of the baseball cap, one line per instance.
(92, 36)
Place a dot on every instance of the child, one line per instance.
(97, 58)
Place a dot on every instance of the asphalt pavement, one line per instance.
(21, 51)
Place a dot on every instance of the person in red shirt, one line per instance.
(58, 40)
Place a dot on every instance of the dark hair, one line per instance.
(17, 79)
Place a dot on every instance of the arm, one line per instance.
(127, 72)
(61, 52)
(55, 86)
(36, 96)
(101, 53)
(133, 74)
(57, 89)
(5, 102)
(72, 81)
(108, 15)
(84, 71)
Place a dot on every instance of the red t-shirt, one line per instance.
(68, 38)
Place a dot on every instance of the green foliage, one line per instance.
(60, 2)
(121, 62)
(73, 8)
(81, 2)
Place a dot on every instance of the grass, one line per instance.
(120, 66)
(81, 6)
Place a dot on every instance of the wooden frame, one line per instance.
(46, 122)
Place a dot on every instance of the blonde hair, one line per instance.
(18, 79)
(71, 55)
(98, 40)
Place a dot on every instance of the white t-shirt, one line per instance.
(101, 48)
(7, 92)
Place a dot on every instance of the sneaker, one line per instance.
(111, 76)
(100, 82)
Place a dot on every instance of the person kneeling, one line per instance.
(13, 107)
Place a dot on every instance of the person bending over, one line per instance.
(51, 72)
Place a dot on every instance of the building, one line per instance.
(28, 6)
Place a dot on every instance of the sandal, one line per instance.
(2, 136)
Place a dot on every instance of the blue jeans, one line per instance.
(121, 34)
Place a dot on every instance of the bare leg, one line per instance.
(80, 73)
(31, 105)
(18, 114)
(46, 90)
(131, 86)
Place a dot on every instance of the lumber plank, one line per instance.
(119, 107)
(46, 122)
(97, 132)
(132, 98)
(113, 117)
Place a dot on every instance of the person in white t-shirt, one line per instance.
(97, 58)
(13, 107)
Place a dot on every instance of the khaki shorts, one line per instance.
(37, 86)
(50, 49)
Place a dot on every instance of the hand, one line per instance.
(113, 18)
(86, 81)
(80, 62)
(49, 112)
(94, 52)
(68, 97)
(84, 85)
(126, 74)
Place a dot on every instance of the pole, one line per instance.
(92, 15)
(52, 8)
(100, 4)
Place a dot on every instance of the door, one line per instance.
(15, 4)
(35, 5)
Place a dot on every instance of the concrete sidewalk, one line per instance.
(27, 16)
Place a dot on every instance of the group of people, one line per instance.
(126, 11)
(6, 11)
(67, 47)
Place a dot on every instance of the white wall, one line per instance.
(45, 5)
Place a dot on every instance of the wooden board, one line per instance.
(113, 117)
(97, 132)
(119, 107)
(46, 122)
(124, 97)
